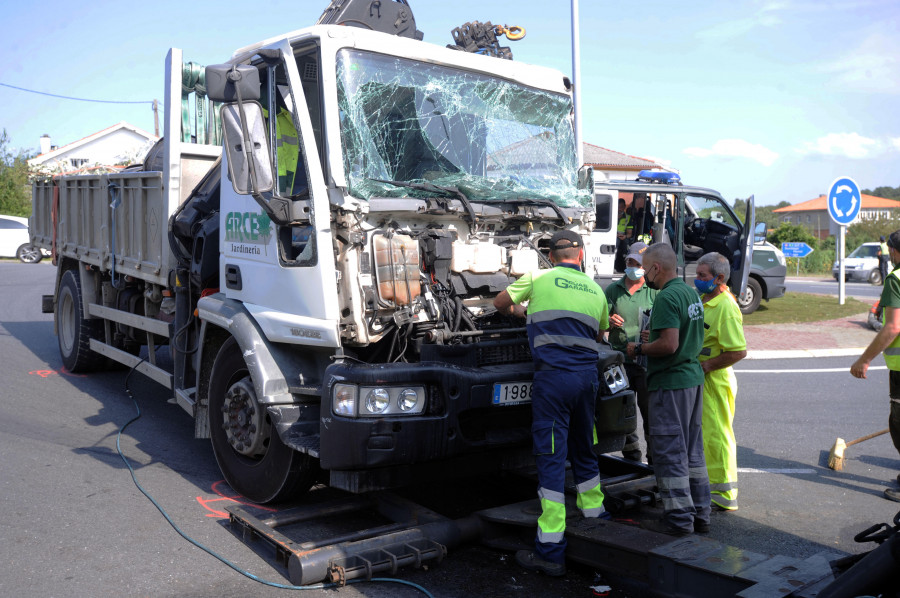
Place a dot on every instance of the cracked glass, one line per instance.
(410, 122)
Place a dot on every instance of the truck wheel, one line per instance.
(252, 458)
(875, 277)
(749, 301)
(74, 331)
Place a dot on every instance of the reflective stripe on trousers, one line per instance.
(719, 444)
(562, 429)
(677, 450)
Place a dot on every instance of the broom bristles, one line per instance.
(836, 456)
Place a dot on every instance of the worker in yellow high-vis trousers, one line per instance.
(566, 313)
(723, 346)
(888, 341)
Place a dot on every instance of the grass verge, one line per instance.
(795, 308)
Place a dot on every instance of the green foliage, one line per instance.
(15, 195)
(885, 192)
(866, 231)
(789, 233)
(763, 213)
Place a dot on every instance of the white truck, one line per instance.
(338, 326)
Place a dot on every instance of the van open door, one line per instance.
(740, 267)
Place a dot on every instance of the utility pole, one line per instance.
(156, 117)
(576, 74)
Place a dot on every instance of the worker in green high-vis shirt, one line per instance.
(888, 341)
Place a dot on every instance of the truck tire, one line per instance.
(74, 332)
(249, 452)
(749, 301)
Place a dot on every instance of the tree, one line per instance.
(885, 192)
(763, 213)
(790, 233)
(15, 197)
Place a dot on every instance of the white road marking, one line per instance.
(807, 371)
(755, 470)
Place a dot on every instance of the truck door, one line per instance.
(740, 264)
(284, 275)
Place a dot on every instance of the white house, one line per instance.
(118, 144)
(610, 164)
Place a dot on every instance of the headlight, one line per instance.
(377, 400)
(350, 400)
(344, 402)
(407, 399)
(615, 378)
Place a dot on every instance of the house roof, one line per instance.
(613, 160)
(821, 204)
(41, 158)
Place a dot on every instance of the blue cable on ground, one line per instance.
(211, 552)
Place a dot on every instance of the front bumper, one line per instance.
(852, 275)
(459, 420)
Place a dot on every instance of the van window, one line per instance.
(604, 211)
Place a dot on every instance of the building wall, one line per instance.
(820, 224)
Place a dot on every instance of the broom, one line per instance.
(836, 456)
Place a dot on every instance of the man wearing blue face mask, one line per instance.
(628, 299)
(723, 346)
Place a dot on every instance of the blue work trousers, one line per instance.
(562, 428)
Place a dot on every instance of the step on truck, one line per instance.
(317, 242)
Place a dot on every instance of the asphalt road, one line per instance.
(828, 286)
(74, 524)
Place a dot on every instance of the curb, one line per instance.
(804, 353)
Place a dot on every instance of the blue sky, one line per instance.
(771, 98)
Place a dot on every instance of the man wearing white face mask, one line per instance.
(628, 299)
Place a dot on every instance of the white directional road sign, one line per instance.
(844, 201)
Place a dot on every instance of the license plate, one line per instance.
(512, 393)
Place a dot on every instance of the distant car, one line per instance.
(15, 242)
(766, 280)
(861, 264)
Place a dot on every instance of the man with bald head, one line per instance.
(675, 381)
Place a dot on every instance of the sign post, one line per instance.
(844, 202)
(796, 249)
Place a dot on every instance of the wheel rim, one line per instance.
(246, 427)
(29, 254)
(67, 323)
(747, 297)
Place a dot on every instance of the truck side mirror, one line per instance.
(239, 156)
(586, 178)
(222, 88)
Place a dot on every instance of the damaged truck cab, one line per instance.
(333, 273)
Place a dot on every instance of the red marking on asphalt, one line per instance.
(48, 373)
(237, 498)
(42, 373)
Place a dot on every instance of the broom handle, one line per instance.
(868, 437)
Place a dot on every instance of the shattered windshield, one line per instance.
(413, 122)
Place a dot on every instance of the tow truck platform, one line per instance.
(634, 560)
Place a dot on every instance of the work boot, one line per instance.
(661, 526)
(701, 527)
(892, 494)
(529, 560)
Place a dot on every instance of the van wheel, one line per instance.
(875, 276)
(249, 452)
(74, 332)
(749, 301)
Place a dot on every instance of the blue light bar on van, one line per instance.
(663, 178)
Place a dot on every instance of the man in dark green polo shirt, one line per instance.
(629, 298)
(675, 380)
